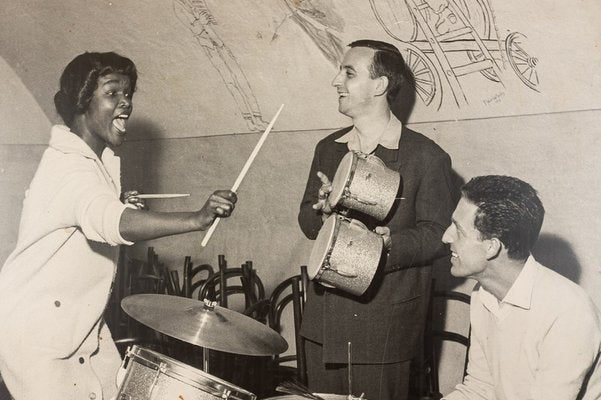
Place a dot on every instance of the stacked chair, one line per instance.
(225, 285)
(292, 291)
(238, 288)
(426, 379)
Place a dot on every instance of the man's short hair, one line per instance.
(508, 209)
(387, 61)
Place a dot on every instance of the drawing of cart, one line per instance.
(437, 35)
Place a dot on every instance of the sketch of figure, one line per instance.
(321, 24)
(445, 15)
(196, 16)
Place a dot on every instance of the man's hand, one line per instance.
(322, 196)
(384, 231)
(219, 204)
(131, 197)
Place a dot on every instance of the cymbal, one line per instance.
(203, 324)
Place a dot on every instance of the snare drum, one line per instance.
(345, 255)
(363, 182)
(152, 376)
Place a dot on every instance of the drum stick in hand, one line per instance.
(209, 233)
(162, 195)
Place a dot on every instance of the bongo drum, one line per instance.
(363, 182)
(152, 376)
(345, 255)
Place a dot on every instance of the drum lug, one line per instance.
(363, 201)
(346, 273)
(226, 394)
(161, 369)
(349, 195)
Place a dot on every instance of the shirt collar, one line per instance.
(65, 141)
(390, 137)
(520, 293)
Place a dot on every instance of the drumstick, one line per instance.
(162, 195)
(205, 240)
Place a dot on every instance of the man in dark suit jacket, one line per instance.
(384, 324)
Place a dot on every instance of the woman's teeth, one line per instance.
(119, 123)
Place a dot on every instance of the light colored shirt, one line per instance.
(55, 285)
(389, 138)
(541, 342)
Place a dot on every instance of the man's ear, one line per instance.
(494, 248)
(381, 85)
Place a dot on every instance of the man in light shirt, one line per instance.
(535, 334)
(384, 324)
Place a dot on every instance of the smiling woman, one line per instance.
(95, 98)
(57, 281)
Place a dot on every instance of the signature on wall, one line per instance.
(196, 16)
(450, 40)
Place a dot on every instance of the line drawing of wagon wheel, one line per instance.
(425, 75)
(522, 63)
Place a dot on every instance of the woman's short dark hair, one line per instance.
(80, 79)
(387, 61)
(508, 209)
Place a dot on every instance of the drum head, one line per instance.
(341, 178)
(322, 245)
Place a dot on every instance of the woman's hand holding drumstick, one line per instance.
(132, 197)
(242, 174)
(220, 204)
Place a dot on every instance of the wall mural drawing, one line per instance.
(450, 39)
(320, 23)
(196, 16)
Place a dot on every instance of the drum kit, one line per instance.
(149, 375)
(346, 254)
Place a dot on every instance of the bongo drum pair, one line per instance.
(346, 254)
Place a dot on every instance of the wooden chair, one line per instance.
(434, 339)
(218, 289)
(249, 372)
(192, 282)
(290, 291)
(137, 277)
